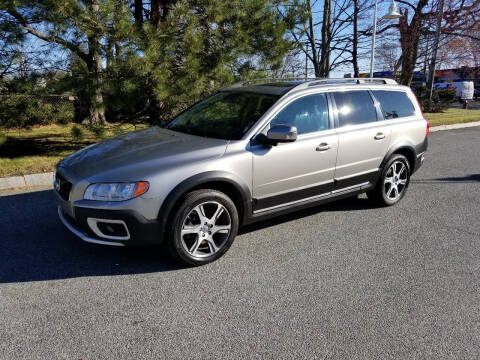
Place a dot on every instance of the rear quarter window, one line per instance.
(394, 104)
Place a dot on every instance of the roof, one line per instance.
(282, 86)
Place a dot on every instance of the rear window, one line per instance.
(354, 107)
(395, 104)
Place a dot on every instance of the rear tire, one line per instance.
(203, 227)
(393, 182)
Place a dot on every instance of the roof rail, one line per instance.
(269, 80)
(340, 81)
(306, 81)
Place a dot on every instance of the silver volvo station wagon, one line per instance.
(251, 151)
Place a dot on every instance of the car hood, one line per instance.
(152, 148)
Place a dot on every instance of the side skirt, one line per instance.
(264, 214)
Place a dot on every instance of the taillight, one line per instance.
(421, 111)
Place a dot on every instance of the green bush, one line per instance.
(441, 99)
(76, 133)
(99, 131)
(118, 130)
(446, 95)
(31, 110)
(63, 113)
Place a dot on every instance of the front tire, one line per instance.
(203, 227)
(393, 182)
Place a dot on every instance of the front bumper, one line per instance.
(70, 226)
(140, 230)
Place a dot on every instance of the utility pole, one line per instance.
(392, 14)
(372, 55)
(433, 62)
(306, 63)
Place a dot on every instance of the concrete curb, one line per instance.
(46, 179)
(26, 181)
(454, 126)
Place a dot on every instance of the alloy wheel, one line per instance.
(205, 229)
(396, 180)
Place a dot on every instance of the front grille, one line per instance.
(63, 187)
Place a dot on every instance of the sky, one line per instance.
(364, 61)
(57, 55)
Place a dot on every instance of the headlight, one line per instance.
(116, 191)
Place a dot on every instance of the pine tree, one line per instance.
(198, 46)
(180, 50)
(77, 26)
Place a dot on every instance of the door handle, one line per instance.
(323, 147)
(379, 136)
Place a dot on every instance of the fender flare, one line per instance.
(210, 176)
(397, 146)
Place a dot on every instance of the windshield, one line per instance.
(225, 115)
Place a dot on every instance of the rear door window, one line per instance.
(354, 107)
(395, 104)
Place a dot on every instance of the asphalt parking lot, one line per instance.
(341, 281)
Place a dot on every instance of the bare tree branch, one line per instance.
(48, 38)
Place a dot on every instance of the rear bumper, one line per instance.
(418, 161)
(140, 230)
(420, 157)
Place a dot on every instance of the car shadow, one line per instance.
(347, 204)
(460, 179)
(35, 246)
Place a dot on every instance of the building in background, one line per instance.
(441, 76)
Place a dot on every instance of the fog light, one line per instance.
(109, 229)
(112, 229)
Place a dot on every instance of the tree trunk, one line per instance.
(408, 64)
(96, 106)
(159, 11)
(326, 39)
(109, 52)
(409, 40)
(313, 45)
(396, 67)
(155, 15)
(356, 72)
(94, 65)
(118, 50)
(433, 63)
(138, 13)
(118, 45)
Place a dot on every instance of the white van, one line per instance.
(463, 89)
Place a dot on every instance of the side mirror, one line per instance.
(282, 133)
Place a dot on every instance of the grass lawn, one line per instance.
(453, 116)
(38, 149)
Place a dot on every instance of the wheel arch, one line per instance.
(404, 148)
(223, 181)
